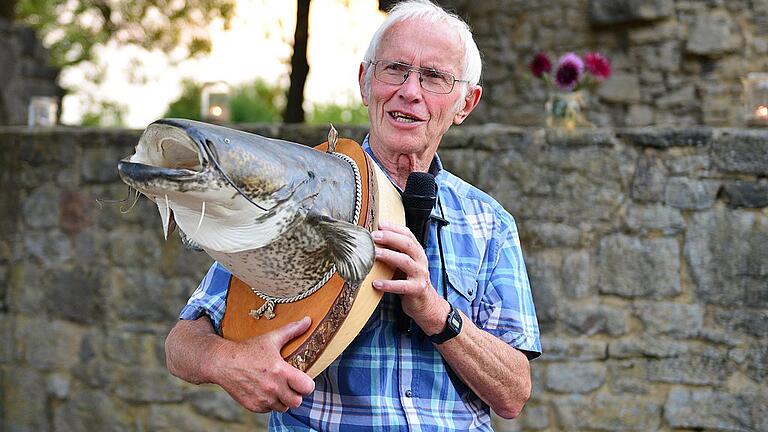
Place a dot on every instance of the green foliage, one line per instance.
(256, 102)
(104, 113)
(188, 104)
(72, 29)
(262, 102)
(338, 114)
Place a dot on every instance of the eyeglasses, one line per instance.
(431, 80)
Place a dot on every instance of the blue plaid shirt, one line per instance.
(392, 378)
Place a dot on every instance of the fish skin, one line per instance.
(289, 224)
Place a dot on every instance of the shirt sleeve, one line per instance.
(506, 309)
(210, 297)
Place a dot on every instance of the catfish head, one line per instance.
(228, 190)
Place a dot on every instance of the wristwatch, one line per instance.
(451, 330)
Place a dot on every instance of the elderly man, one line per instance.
(471, 325)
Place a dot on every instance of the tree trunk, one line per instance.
(294, 111)
(7, 9)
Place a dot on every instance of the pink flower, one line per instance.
(598, 66)
(540, 65)
(569, 71)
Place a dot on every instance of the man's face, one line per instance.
(406, 119)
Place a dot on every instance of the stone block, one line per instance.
(620, 88)
(216, 404)
(743, 320)
(639, 115)
(608, 412)
(713, 34)
(610, 12)
(750, 194)
(25, 400)
(41, 208)
(691, 194)
(668, 137)
(576, 275)
(655, 217)
(51, 248)
(7, 347)
(708, 367)
(646, 346)
(58, 385)
(578, 349)
(546, 234)
(706, 409)
(648, 180)
(673, 319)
(756, 360)
(147, 385)
(632, 267)
(46, 344)
(743, 152)
(729, 248)
(575, 377)
(76, 294)
(545, 289)
(93, 410)
(681, 97)
(169, 418)
(590, 320)
(691, 165)
(628, 376)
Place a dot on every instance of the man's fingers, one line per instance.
(286, 333)
(301, 383)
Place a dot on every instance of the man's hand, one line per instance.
(252, 371)
(397, 246)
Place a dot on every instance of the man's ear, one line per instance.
(361, 82)
(470, 102)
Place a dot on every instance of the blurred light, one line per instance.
(214, 103)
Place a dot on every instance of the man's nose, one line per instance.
(411, 88)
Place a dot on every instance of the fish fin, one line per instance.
(189, 243)
(351, 247)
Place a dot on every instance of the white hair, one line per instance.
(430, 12)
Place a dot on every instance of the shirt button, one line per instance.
(408, 393)
(470, 291)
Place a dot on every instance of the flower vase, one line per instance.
(564, 110)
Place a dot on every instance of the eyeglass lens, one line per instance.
(430, 79)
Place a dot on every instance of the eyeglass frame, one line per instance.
(411, 68)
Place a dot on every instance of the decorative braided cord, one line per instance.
(268, 308)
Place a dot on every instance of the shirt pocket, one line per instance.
(462, 288)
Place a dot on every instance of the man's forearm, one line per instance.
(185, 347)
(499, 374)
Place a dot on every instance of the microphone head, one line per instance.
(420, 184)
(420, 191)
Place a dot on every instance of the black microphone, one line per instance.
(419, 197)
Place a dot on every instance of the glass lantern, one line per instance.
(42, 111)
(214, 103)
(756, 99)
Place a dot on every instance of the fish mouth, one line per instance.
(166, 153)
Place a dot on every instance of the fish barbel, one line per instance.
(277, 214)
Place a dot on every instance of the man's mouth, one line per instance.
(402, 117)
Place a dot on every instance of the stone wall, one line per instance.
(677, 62)
(647, 251)
(24, 72)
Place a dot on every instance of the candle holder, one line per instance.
(756, 99)
(214, 103)
(42, 111)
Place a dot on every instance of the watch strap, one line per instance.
(452, 328)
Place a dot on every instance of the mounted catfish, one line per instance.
(291, 223)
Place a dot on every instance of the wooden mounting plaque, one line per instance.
(339, 310)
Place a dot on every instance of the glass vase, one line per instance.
(565, 110)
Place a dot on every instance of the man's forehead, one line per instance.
(418, 41)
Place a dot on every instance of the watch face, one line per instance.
(455, 322)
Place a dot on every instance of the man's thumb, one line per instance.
(286, 333)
